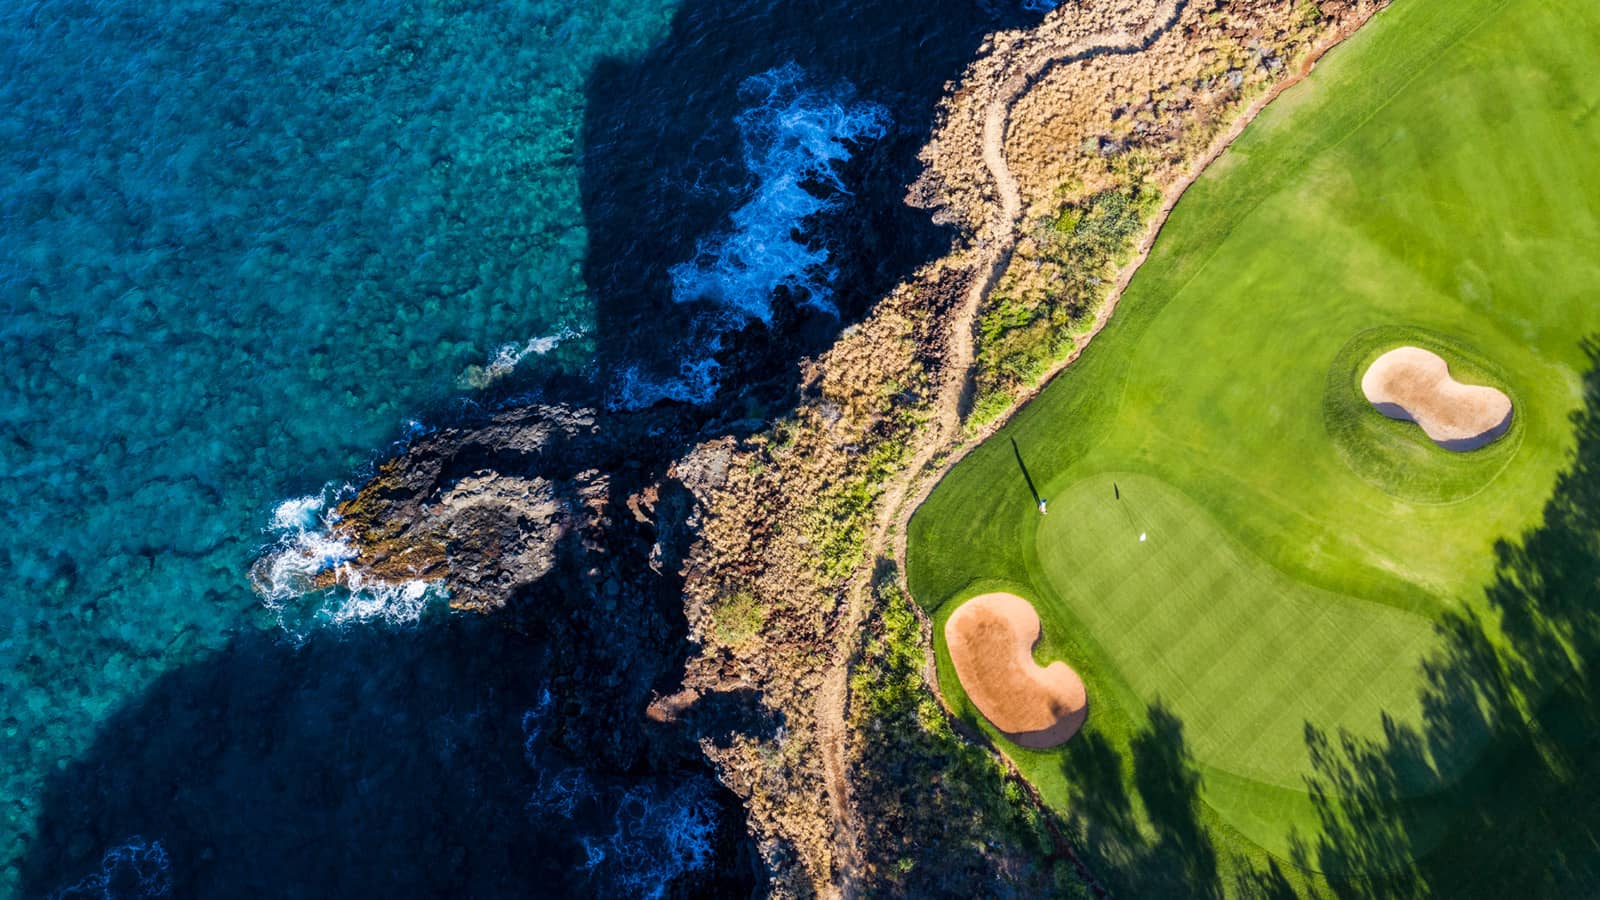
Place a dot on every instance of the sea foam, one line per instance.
(793, 138)
(298, 513)
(134, 868)
(636, 838)
(696, 382)
(794, 135)
(507, 357)
(289, 578)
(305, 549)
(657, 836)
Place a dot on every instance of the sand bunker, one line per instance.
(991, 640)
(1415, 385)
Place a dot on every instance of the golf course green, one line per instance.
(1291, 612)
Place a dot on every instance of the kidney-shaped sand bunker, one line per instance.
(991, 640)
(1415, 385)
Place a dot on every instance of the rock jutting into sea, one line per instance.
(797, 507)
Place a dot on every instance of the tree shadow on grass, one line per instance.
(1173, 856)
(1510, 735)
(1524, 818)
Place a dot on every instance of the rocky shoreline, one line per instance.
(727, 587)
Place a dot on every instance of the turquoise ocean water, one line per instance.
(247, 247)
(243, 246)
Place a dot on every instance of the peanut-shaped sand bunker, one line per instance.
(991, 640)
(1415, 385)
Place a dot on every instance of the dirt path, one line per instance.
(944, 432)
(904, 493)
(916, 480)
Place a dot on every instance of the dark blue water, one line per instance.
(244, 247)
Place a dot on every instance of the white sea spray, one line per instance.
(658, 835)
(637, 838)
(297, 513)
(368, 599)
(507, 357)
(794, 136)
(696, 382)
(290, 578)
(135, 865)
(305, 548)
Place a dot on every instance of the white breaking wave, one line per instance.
(370, 599)
(136, 867)
(657, 836)
(301, 513)
(508, 356)
(658, 830)
(308, 548)
(696, 382)
(305, 550)
(793, 137)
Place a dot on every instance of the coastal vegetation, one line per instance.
(738, 616)
(1044, 305)
(787, 532)
(912, 768)
(804, 512)
(1319, 645)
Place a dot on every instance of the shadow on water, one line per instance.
(1511, 713)
(663, 169)
(422, 762)
(477, 755)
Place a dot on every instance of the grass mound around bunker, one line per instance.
(1394, 455)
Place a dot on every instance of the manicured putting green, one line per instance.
(1242, 653)
(1433, 185)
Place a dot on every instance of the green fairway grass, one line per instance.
(1311, 568)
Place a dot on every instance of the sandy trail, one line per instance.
(944, 430)
(991, 639)
(904, 492)
(1415, 385)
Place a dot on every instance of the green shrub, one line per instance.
(1055, 288)
(737, 617)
